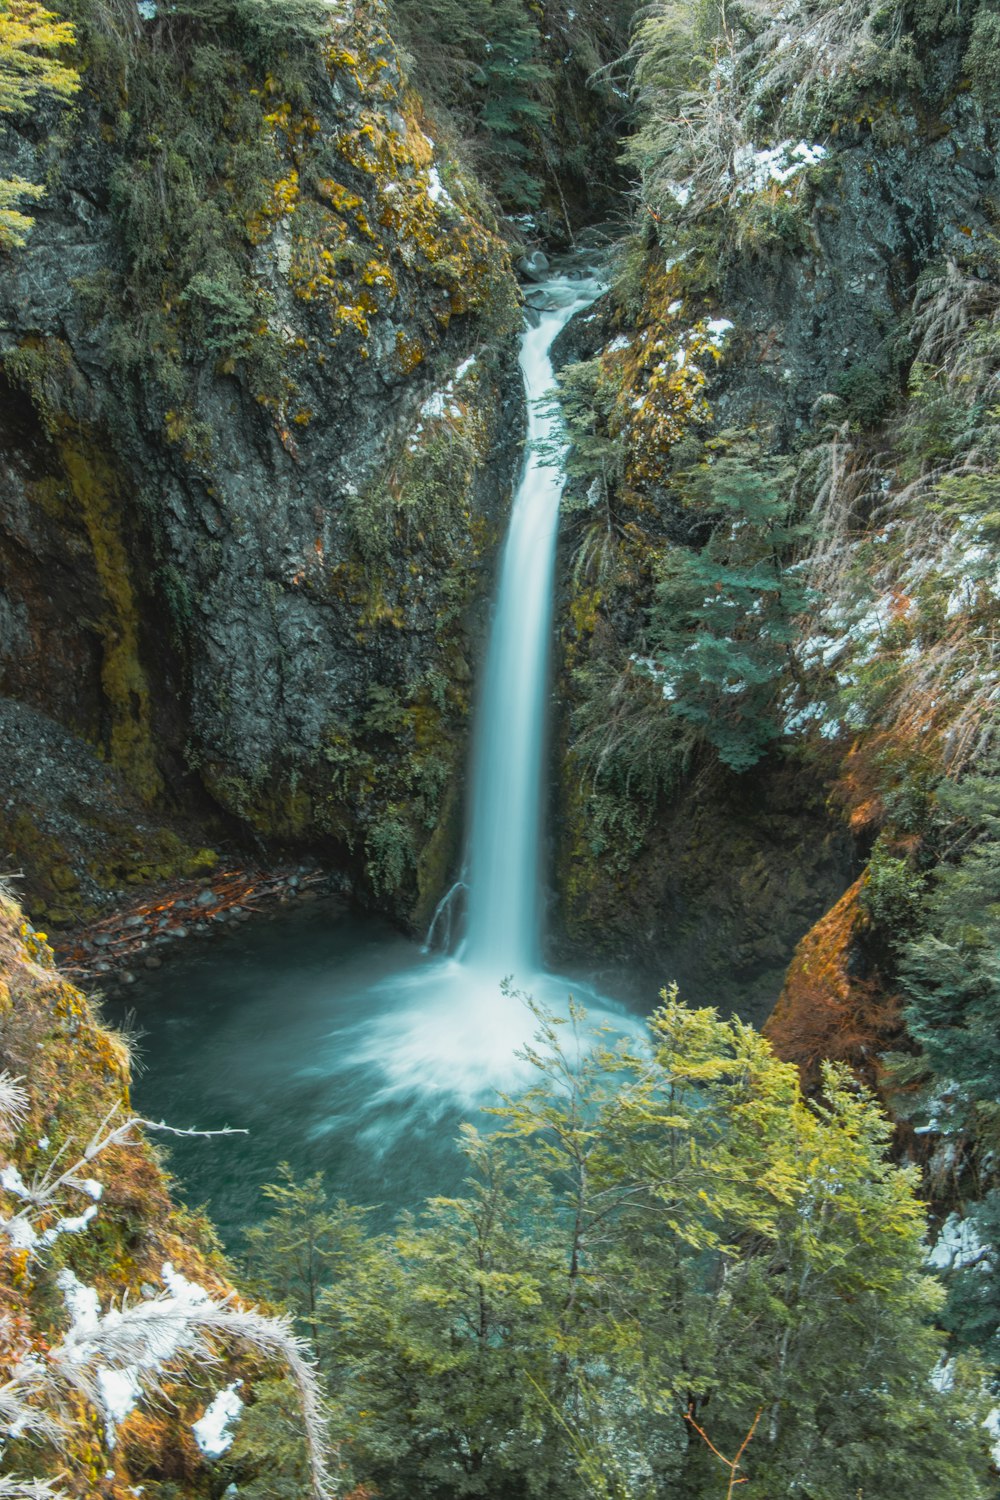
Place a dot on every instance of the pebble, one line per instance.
(127, 977)
(152, 962)
(205, 898)
(179, 932)
(135, 921)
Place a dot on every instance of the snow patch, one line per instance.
(717, 329)
(441, 404)
(75, 1225)
(157, 1330)
(436, 190)
(210, 1431)
(12, 1181)
(754, 169)
(958, 1245)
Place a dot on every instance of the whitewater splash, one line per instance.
(453, 1027)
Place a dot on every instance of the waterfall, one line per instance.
(503, 932)
(442, 1034)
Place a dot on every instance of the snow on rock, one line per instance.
(122, 1345)
(120, 1392)
(12, 1182)
(74, 1225)
(82, 1303)
(210, 1431)
(958, 1245)
(436, 190)
(754, 170)
(442, 403)
(185, 1291)
(717, 329)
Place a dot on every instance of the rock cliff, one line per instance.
(122, 1343)
(259, 425)
(767, 562)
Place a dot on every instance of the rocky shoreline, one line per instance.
(144, 933)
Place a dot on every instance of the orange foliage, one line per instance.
(827, 1008)
(859, 788)
(155, 1449)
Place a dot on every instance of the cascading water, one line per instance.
(450, 1027)
(503, 933)
(344, 1049)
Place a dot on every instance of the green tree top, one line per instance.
(31, 38)
(656, 1243)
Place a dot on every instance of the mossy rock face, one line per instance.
(73, 828)
(260, 441)
(722, 883)
(75, 1078)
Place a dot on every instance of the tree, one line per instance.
(31, 39)
(303, 1243)
(950, 975)
(722, 622)
(657, 1244)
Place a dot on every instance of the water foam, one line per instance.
(452, 1031)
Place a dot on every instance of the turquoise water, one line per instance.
(333, 1041)
(337, 1045)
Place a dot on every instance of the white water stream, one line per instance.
(503, 933)
(340, 1046)
(456, 1025)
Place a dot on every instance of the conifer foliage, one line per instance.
(32, 41)
(657, 1254)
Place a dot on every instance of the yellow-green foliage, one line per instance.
(76, 1073)
(350, 246)
(32, 40)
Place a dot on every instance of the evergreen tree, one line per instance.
(31, 41)
(950, 974)
(657, 1252)
(722, 623)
